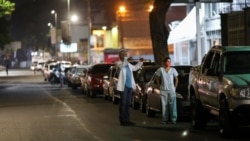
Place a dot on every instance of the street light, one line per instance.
(54, 13)
(120, 13)
(69, 28)
(50, 25)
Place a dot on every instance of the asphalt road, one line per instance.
(34, 110)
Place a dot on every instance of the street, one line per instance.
(34, 110)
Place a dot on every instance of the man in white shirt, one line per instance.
(125, 85)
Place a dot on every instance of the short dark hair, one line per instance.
(166, 58)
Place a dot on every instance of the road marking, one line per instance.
(72, 114)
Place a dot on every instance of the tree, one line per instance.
(158, 29)
(6, 7)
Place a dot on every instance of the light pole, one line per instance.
(55, 30)
(89, 31)
(69, 28)
(53, 12)
(120, 13)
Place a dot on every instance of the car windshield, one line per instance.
(80, 70)
(237, 62)
(100, 69)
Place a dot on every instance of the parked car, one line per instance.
(108, 86)
(142, 77)
(116, 94)
(152, 91)
(33, 66)
(48, 70)
(94, 79)
(74, 75)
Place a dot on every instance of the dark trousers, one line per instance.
(125, 101)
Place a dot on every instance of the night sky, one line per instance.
(30, 18)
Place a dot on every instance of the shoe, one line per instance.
(124, 124)
(127, 123)
(164, 122)
(173, 122)
(131, 123)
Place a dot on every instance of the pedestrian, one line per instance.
(61, 77)
(7, 65)
(167, 80)
(125, 86)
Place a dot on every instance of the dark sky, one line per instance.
(30, 18)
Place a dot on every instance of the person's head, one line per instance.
(122, 55)
(167, 61)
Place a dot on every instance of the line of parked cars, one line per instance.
(101, 79)
(146, 96)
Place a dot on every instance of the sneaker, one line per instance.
(127, 123)
(130, 123)
(164, 122)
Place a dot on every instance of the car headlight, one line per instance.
(241, 92)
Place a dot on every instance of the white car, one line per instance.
(2, 68)
(48, 70)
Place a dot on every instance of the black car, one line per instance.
(116, 94)
(153, 102)
(142, 77)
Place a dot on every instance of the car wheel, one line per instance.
(69, 84)
(225, 123)
(135, 105)
(106, 95)
(198, 114)
(84, 90)
(92, 93)
(74, 87)
(142, 104)
(115, 100)
(149, 112)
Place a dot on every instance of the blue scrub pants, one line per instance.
(169, 107)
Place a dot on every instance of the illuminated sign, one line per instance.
(68, 48)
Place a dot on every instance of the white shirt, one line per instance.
(122, 74)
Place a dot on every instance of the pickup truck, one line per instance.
(220, 87)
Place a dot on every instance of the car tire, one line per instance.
(115, 100)
(142, 104)
(92, 93)
(74, 87)
(199, 114)
(225, 122)
(135, 105)
(149, 112)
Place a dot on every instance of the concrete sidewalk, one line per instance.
(19, 72)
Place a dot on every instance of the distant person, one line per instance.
(167, 80)
(7, 65)
(125, 85)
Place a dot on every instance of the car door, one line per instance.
(154, 98)
(203, 78)
(212, 82)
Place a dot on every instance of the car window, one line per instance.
(100, 69)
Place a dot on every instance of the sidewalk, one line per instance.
(18, 72)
